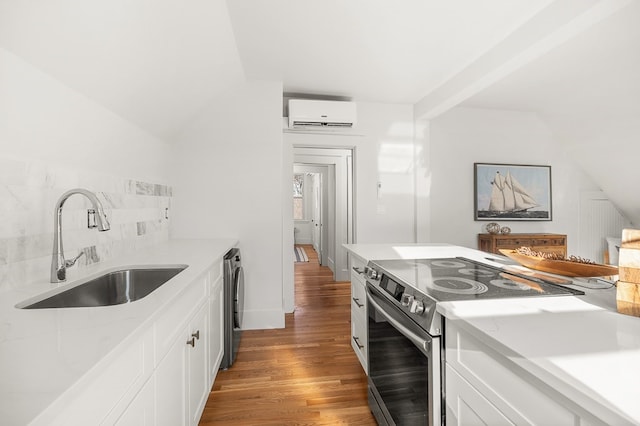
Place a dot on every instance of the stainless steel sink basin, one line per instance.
(112, 288)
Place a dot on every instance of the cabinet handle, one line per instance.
(357, 302)
(355, 268)
(196, 334)
(192, 342)
(355, 339)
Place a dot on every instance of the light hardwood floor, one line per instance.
(304, 374)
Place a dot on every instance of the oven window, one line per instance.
(398, 373)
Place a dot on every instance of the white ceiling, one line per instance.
(594, 73)
(157, 63)
(154, 62)
(371, 50)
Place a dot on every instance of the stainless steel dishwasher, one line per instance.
(233, 294)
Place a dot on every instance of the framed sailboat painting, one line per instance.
(512, 192)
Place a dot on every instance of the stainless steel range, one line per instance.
(406, 333)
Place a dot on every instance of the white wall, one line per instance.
(227, 169)
(53, 139)
(463, 136)
(44, 119)
(383, 152)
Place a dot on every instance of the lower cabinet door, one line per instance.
(171, 392)
(198, 372)
(466, 406)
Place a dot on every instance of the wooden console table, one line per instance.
(550, 243)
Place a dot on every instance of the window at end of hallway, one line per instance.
(298, 200)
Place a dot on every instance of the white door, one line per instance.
(317, 219)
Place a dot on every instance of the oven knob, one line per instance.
(417, 307)
(371, 273)
(406, 299)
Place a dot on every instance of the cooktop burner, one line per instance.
(461, 279)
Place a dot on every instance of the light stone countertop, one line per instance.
(44, 352)
(577, 344)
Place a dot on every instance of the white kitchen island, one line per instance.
(537, 360)
(124, 364)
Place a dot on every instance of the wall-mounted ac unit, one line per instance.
(304, 113)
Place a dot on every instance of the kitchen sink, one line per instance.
(112, 288)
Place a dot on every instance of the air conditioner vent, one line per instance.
(321, 114)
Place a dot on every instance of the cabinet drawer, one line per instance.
(357, 267)
(513, 242)
(548, 242)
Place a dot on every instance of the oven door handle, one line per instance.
(415, 339)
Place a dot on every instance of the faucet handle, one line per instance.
(69, 263)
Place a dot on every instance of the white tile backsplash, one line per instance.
(29, 191)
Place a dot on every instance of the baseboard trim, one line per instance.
(262, 319)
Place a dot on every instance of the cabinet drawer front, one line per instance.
(357, 267)
(513, 242)
(548, 242)
(358, 296)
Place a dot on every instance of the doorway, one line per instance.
(312, 189)
(336, 227)
(306, 148)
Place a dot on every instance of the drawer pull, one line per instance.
(192, 342)
(355, 268)
(357, 302)
(355, 339)
(196, 334)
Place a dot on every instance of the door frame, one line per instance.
(291, 148)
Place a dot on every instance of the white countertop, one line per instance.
(43, 352)
(577, 344)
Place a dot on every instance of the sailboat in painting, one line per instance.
(508, 195)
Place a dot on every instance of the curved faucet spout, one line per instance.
(58, 264)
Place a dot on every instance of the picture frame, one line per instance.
(513, 192)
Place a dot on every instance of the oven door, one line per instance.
(404, 366)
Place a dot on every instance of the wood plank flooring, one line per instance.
(304, 374)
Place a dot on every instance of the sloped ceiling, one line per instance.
(153, 62)
(158, 62)
(588, 91)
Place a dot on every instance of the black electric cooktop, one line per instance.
(459, 278)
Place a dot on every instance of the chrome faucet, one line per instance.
(58, 263)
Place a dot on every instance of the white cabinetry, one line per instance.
(216, 322)
(183, 376)
(162, 375)
(484, 386)
(142, 410)
(196, 368)
(358, 309)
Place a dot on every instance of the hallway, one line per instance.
(306, 373)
